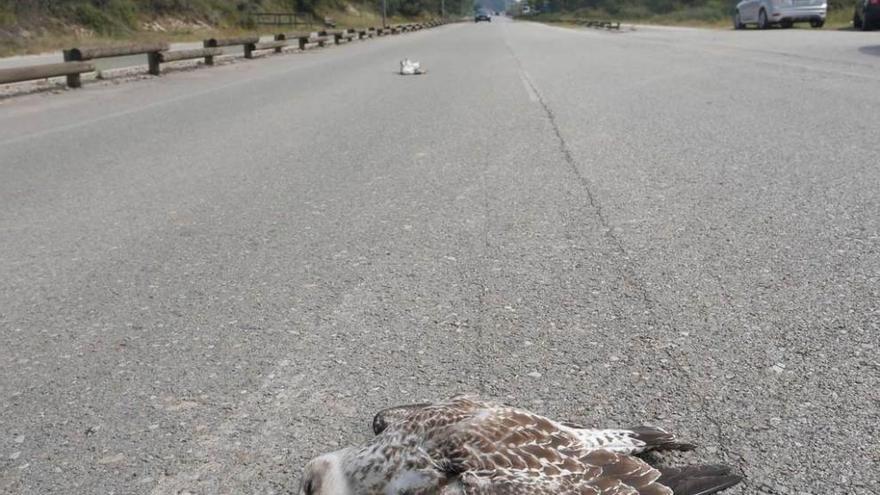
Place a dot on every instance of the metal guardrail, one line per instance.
(72, 70)
(245, 40)
(599, 24)
(77, 61)
(165, 57)
(219, 42)
(83, 54)
(277, 46)
(305, 40)
(151, 50)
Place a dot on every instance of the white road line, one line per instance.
(527, 83)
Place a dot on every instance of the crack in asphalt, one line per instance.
(727, 454)
(628, 272)
(626, 269)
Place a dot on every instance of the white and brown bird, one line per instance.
(466, 446)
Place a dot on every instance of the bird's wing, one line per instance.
(419, 418)
(507, 451)
(634, 440)
(604, 473)
(386, 417)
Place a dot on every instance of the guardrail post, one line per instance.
(153, 62)
(74, 80)
(249, 50)
(209, 59)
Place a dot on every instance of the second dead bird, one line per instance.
(410, 68)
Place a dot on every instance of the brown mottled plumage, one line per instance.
(469, 447)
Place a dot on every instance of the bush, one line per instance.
(7, 16)
(102, 16)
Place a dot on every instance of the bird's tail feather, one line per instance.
(698, 480)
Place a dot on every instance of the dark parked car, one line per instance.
(482, 16)
(867, 15)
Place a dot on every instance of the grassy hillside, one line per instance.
(39, 25)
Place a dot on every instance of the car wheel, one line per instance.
(857, 21)
(763, 23)
(737, 22)
(817, 23)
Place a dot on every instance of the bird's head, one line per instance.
(325, 475)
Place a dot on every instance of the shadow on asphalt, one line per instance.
(871, 50)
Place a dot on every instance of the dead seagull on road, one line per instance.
(466, 446)
(410, 68)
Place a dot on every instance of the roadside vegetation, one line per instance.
(32, 26)
(698, 13)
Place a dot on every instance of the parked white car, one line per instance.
(783, 13)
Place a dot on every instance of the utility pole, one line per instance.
(383, 13)
(443, 9)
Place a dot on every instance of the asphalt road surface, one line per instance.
(209, 277)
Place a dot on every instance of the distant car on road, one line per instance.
(482, 16)
(526, 10)
(784, 13)
(867, 14)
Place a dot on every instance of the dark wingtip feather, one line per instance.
(698, 480)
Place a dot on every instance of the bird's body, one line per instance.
(469, 447)
(410, 68)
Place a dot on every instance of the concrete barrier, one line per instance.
(72, 70)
